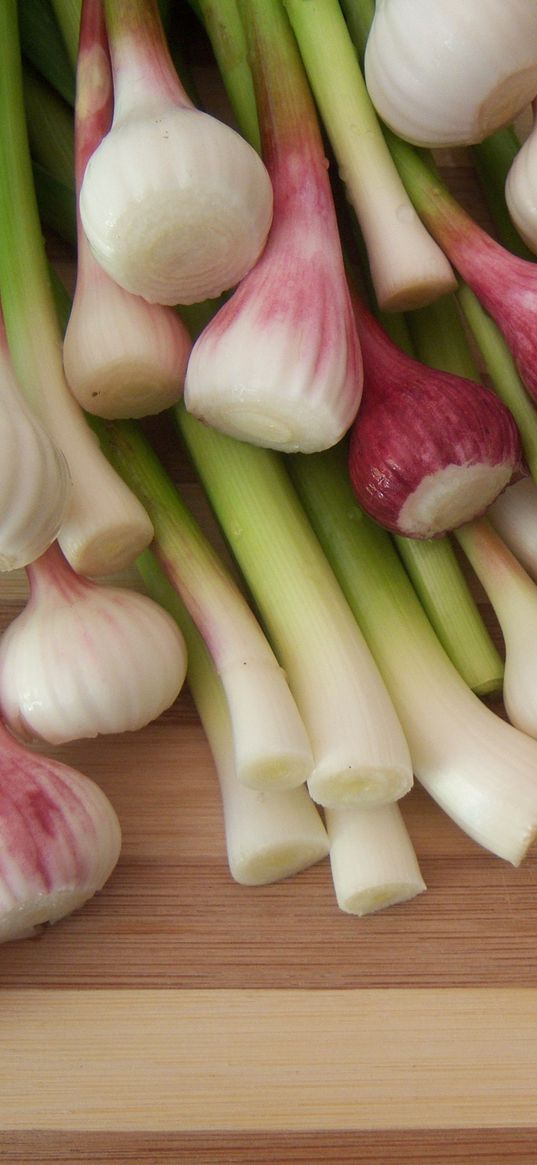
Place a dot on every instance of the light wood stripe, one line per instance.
(266, 1060)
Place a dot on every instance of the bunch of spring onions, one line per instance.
(312, 420)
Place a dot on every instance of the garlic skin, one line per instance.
(83, 659)
(122, 356)
(60, 839)
(521, 190)
(451, 72)
(34, 478)
(189, 222)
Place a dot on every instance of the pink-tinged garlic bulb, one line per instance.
(34, 479)
(428, 450)
(59, 839)
(83, 659)
(280, 364)
(176, 205)
(122, 356)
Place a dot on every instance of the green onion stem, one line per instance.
(266, 838)
(50, 127)
(270, 741)
(224, 28)
(67, 13)
(358, 751)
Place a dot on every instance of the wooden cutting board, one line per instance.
(182, 1018)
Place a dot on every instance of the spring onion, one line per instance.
(279, 365)
(59, 839)
(514, 517)
(372, 859)
(191, 220)
(123, 356)
(521, 188)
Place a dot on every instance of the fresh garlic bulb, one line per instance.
(451, 72)
(34, 478)
(521, 190)
(176, 205)
(83, 659)
(59, 839)
(123, 357)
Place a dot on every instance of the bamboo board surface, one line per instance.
(180, 1017)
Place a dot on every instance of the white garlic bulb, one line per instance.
(450, 72)
(521, 190)
(59, 839)
(83, 658)
(34, 478)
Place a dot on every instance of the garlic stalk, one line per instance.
(514, 517)
(279, 364)
(504, 284)
(123, 357)
(480, 769)
(372, 858)
(269, 835)
(451, 72)
(521, 188)
(428, 450)
(272, 750)
(105, 526)
(513, 595)
(176, 204)
(407, 266)
(83, 659)
(59, 839)
(34, 479)
(360, 753)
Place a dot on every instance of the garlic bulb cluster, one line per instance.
(59, 839)
(34, 478)
(451, 72)
(83, 658)
(521, 190)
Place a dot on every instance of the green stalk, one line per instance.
(359, 16)
(358, 750)
(272, 750)
(407, 266)
(267, 838)
(56, 203)
(224, 28)
(479, 769)
(67, 13)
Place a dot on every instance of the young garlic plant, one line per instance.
(279, 364)
(513, 595)
(59, 839)
(105, 526)
(372, 858)
(408, 268)
(123, 356)
(176, 205)
(451, 72)
(83, 658)
(34, 479)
